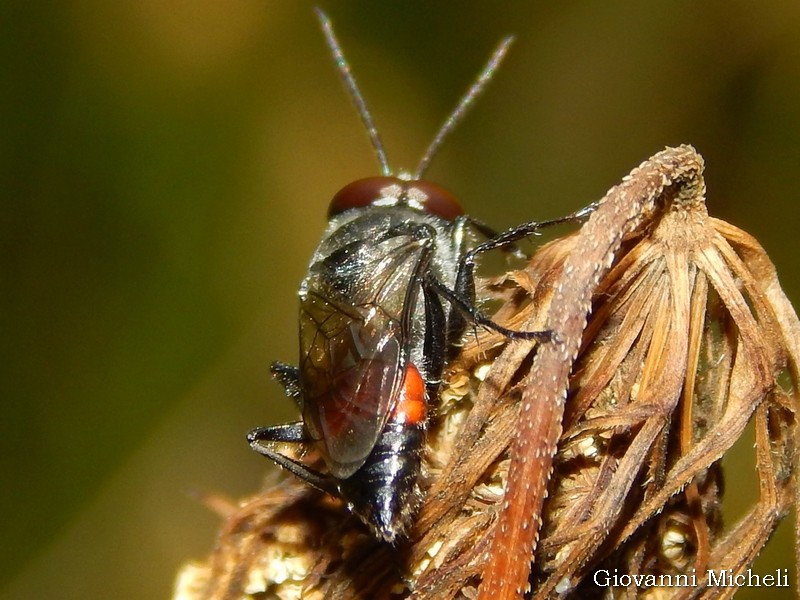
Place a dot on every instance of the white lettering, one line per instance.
(684, 580)
(601, 580)
(716, 581)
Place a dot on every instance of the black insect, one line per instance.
(374, 333)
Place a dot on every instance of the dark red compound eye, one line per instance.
(362, 192)
(420, 194)
(438, 201)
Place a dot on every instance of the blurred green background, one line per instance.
(166, 167)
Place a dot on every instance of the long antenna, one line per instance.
(458, 114)
(466, 102)
(352, 89)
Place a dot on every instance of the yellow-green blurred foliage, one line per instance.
(165, 170)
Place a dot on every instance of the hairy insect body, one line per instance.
(363, 307)
(371, 345)
(373, 340)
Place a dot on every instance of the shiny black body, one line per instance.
(384, 492)
(370, 309)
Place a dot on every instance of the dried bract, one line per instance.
(690, 339)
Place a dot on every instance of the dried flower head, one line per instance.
(690, 338)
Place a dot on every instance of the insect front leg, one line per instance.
(465, 275)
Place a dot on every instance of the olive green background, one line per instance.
(165, 171)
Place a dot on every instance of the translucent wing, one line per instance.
(354, 324)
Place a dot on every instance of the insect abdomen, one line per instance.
(384, 491)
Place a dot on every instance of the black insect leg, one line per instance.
(435, 342)
(467, 311)
(289, 377)
(435, 348)
(465, 277)
(263, 439)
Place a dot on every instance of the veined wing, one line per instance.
(354, 324)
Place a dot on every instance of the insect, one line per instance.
(374, 332)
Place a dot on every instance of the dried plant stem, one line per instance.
(624, 208)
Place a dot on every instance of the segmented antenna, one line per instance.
(352, 89)
(466, 102)
(463, 107)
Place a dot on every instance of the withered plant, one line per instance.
(603, 446)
